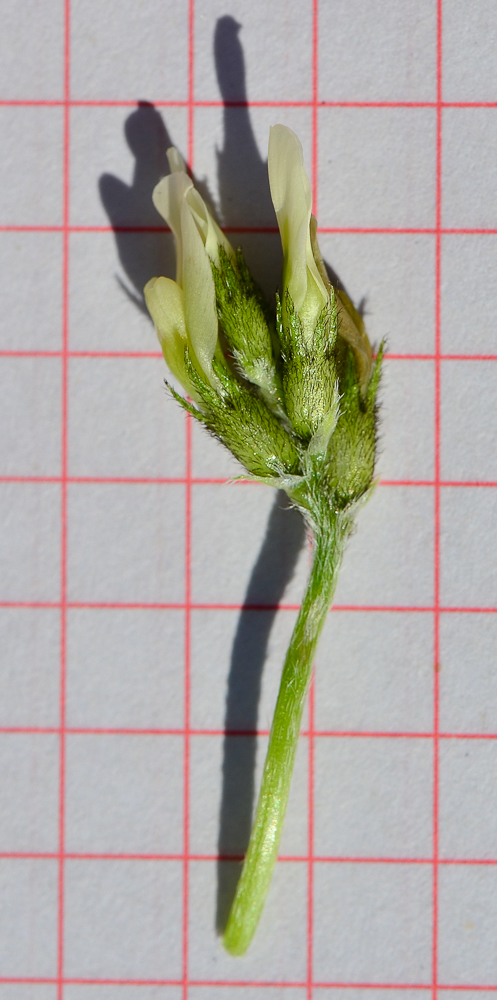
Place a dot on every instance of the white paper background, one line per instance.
(124, 559)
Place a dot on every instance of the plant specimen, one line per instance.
(292, 394)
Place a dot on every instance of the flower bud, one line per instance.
(292, 200)
(198, 239)
(165, 304)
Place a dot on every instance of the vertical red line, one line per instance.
(186, 759)
(310, 863)
(63, 557)
(188, 531)
(310, 742)
(314, 154)
(436, 581)
(191, 79)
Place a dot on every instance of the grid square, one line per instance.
(30, 408)
(121, 423)
(31, 291)
(469, 535)
(269, 58)
(122, 920)
(29, 666)
(209, 458)
(477, 994)
(150, 57)
(406, 448)
(468, 275)
(27, 991)
(117, 157)
(246, 992)
(125, 668)
(278, 951)
(240, 759)
(383, 274)
(374, 672)
(390, 55)
(236, 659)
(372, 923)
(103, 275)
(468, 773)
(472, 30)
(379, 165)
(31, 166)
(31, 51)
(395, 535)
(28, 918)
(373, 798)
(29, 792)
(30, 542)
(126, 543)
(468, 682)
(121, 992)
(221, 561)
(469, 184)
(469, 421)
(467, 924)
(231, 159)
(369, 994)
(124, 794)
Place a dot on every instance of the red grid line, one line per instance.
(254, 983)
(192, 103)
(188, 536)
(199, 606)
(199, 731)
(222, 481)
(282, 858)
(310, 749)
(35, 353)
(362, 230)
(64, 467)
(436, 549)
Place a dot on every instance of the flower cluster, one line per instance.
(291, 394)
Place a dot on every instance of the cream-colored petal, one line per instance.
(165, 304)
(211, 234)
(292, 200)
(199, 295)
(168, 197)
(176, 162)
(291, 195)
(316, 253)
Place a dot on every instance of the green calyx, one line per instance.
(308, 367)
(246, 323)
(297, 411)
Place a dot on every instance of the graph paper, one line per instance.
(146, 603)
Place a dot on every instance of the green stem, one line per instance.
(266, 832)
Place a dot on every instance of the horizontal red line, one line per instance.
(321, 984)
(34, 353)
(217, 481)
(290, 859)
(179, 731)
(365, 230)
(192, 605)
(178, 103)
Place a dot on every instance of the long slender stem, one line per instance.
(265, 837)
